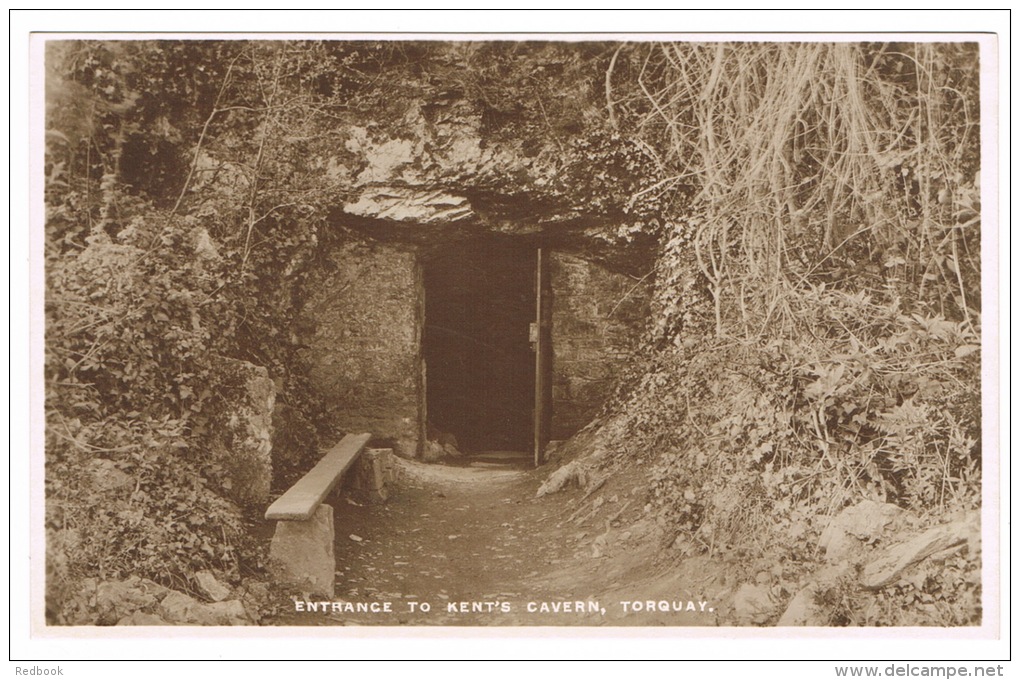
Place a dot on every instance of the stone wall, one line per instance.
(362, 328)
(598, 317)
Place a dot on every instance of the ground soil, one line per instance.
(473, 543)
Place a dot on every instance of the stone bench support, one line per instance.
(302, 553)
(374, 474)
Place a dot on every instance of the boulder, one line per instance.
(859, 523)
(180, 609)
(210, 587)
(142, 619)
(571, 473)
(440, 436)
(804, 609)
(752, 604)
(242, 442)
(256, 597)
(228, 613)
(432, 451)
(893, 561)
(115, 600)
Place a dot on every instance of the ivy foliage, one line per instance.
(183, 205)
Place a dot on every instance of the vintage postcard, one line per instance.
(415, 334)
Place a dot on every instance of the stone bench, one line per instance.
(301, 552)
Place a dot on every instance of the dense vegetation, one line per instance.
(182, 209)
(817, 327)
(819, 292)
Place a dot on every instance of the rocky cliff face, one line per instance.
(435, 167)
(436, 173)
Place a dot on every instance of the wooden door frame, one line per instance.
(543, 355)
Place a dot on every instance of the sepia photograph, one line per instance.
(564, 333)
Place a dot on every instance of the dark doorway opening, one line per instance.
(480, 370)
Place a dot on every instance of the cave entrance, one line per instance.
(480, 367)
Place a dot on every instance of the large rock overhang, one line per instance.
(437, 172)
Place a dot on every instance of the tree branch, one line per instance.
(609, 87)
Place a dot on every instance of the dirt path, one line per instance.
(473, 546)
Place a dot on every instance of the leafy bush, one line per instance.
(156, 514)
